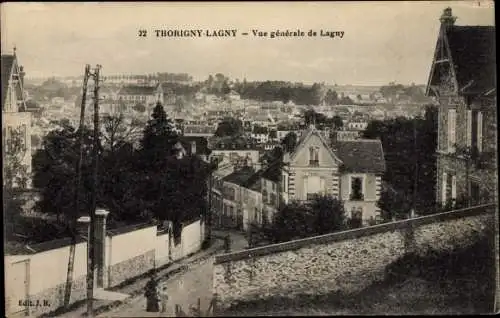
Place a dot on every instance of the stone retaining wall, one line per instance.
(55, 297)
(130, 268)
(346, 262)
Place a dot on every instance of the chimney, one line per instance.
(447, 19)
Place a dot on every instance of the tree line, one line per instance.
(135, 184)
(409, 149)
(298, 93)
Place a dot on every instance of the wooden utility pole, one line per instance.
(95, 160)
(71, 261)
(415, 177)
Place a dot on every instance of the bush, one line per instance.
(298, 220)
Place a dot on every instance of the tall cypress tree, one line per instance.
(159, 138)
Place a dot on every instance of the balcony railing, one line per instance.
(357, 197)
(314, 163)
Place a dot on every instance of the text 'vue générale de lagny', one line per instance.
(224, 33)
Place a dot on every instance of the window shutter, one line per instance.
(24, 136)
(4, 138)
(305, 187)
(480, 131)
(443, 187)
(286, 183)
(453, 187)
(469, 128)
(451, 129)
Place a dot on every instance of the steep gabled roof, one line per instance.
(305, 137)
(7, 66)
(361, 155)
(240, 177)
(474, 56)
(472, 52)
(273, 171)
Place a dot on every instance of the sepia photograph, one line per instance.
(301, 158)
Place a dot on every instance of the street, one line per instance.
(184, 289)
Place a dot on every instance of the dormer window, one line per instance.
(314, 156)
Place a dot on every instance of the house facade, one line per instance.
(241, 199)
(348, 170)
(463, 81)
(237, 155)
(138, 94)
(16, 122)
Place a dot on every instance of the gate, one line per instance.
(17, 287)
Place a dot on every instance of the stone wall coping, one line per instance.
(50, 245)
(129, 228)
(356, 233)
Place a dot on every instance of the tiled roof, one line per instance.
(231, 143)
(193, 129)
(473, 54)
(362, 155)
(304, 136)
(240, 177)
(253, 182)
(137, 90)
(273, 172)
(7, 62)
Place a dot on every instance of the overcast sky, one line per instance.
(383, 41)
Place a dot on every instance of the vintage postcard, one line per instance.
(249, 158)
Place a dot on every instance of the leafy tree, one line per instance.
(398, 137)
(260, 130)
(15, 172)
(289, 142)
(313, 117)
(140, 108)
(273, 134)
(229, 127)
(172, 189)
(15, 176)
(337, 122)
(225, 89)
(329, 215)
(293, 221)
(393, 205)
(117, 131)
(316, 94)
(134, 185)
(54, 168)
(297, 220)
(159, 137)
(36, 141)
(331, 97)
